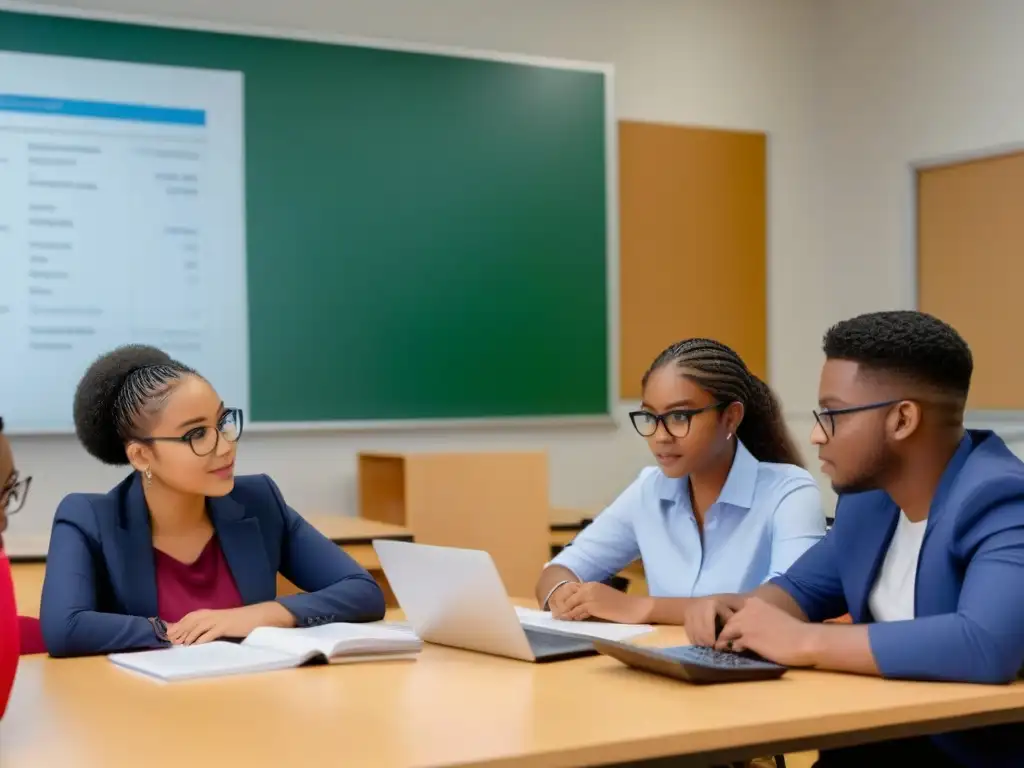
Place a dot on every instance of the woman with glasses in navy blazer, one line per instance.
(182, 551)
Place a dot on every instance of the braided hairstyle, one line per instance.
(718, 369)
(118, 393)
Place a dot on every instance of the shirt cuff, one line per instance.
(573, 565)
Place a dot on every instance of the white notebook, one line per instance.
(271, 648)
(596, 629)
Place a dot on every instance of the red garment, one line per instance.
(207, 583)
(31, 635)
(9, 639)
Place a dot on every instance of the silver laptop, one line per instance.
(455, 597)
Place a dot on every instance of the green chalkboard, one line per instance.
(426, 234)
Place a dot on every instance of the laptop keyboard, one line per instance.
(549, 644)
(709, 657)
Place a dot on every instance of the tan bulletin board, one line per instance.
(693, 229)
(970, 267)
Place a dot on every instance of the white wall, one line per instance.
(745, 64)
(905, 82)
(908, 81)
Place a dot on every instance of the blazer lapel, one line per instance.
(879, 536)
(876, 541)
(242, 543)
(139, 570)
(949, 475)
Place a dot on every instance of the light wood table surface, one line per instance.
(454, 707)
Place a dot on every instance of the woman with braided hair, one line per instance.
(182, 551)
(727, 507)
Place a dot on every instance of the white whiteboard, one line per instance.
(122, 219)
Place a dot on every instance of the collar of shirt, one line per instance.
(738, 490)
(743, 541)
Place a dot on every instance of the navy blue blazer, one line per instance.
(100, 584)
(968, 601)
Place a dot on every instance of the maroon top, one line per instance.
(205, 584)
(31, 633)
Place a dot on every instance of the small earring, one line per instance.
(729, 436)
(149, 476)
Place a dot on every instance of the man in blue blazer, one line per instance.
(927, 551)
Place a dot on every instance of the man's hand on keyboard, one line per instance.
(704, 616)
(594, 600)
(771, 633)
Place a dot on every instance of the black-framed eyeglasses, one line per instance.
(14, 493)
(204, 440)
(827, 418)
(677, 422)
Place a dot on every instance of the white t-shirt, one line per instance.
(892, 597)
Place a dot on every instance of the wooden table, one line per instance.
(454, 707)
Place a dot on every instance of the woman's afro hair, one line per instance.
(113, 394)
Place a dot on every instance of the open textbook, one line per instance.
(271, 648)
(596, 629)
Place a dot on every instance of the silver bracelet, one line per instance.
(547, 599)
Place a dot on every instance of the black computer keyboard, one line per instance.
(693, 663)
(709, 657)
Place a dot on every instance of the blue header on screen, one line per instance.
(142, 113)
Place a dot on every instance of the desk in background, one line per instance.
(492, 501)
(90, 714)
(353, 534)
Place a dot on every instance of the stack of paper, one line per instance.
(598, 629)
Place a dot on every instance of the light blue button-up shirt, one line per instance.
(766, 516)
